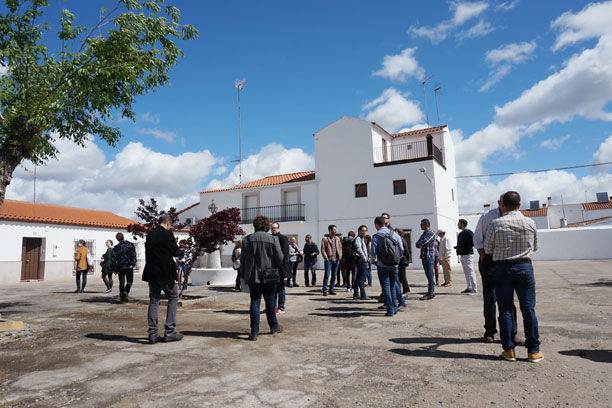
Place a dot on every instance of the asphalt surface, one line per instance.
(90, 350)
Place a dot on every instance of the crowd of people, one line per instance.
(267, 262)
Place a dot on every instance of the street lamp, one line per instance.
(433, 185)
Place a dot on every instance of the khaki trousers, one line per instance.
(446, 267)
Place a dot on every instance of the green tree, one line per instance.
(73, 92)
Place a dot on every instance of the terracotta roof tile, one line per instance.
(270, 181)
(57, 214)
(187, 208)
(588, 222)
(541, 212)
(420, 131)
(597, 206)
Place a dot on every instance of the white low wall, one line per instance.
(574, 243)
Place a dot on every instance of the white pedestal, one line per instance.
(213, 276)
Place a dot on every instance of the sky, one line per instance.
(524, 86)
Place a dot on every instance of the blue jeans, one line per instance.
(399, 297)
(78, 279)
(386, 279)
(359, 281)
(428, 267)
(508, 279)
(310, 264)
(331, 268)
(280, 295)
(267, 290)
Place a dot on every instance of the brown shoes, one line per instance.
(426, 297)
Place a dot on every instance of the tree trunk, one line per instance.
(8, 164)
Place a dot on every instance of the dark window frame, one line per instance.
(397, 191)
(361, 190)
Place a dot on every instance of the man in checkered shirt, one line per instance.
(512, 239)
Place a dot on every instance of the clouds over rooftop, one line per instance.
(392, 110)
(399, 67)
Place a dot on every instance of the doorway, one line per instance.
(30, 259)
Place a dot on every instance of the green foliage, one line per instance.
(97, 70)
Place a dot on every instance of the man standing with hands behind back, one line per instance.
(160, 272)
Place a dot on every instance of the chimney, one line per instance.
(487, 207)
(543, 205)
(549, 199)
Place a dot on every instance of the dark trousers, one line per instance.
(125, 275)
(486, 267)
(78, 279)
(171, 291)
(402, 277)
(237, 287)
(108, 279)
(510, 278)
(349, 268)
(267, 290)
(310, 265)
(359, 282)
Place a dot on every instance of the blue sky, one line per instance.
(524, 86)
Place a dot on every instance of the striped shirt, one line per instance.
(511, 236)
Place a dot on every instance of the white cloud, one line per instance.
(462, 12)
(150, 117)
(168, 136)
(603, 155)
(507, 5)
(480, 29)
(82, 178)
(554, 143)
(504, 58)
(271, 160)
(392, 110)
(593, 21)
(473, 193)
(398, 67)
(583, 87)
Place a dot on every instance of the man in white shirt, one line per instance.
(445, 250)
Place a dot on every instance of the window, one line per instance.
(361, 190)
(399, 187)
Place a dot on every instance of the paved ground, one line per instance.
(89, 350)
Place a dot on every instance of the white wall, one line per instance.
(573, 213)
(594, 214)
(574, 243)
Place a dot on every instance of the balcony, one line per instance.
(276, 213)
(408, 152)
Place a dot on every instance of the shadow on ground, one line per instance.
(216, 334)
(430, 347)
(117, 337)
(600, 283)
(599, 356)
(101, 299)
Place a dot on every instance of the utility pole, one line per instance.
(239, 86)
(436, 90)
(425, 96)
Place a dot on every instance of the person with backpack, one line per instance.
(426, 243)
(82, 266)
(310, 252)
(386, 253)
(123, 262)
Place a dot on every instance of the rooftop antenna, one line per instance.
(436, 90)
(423, 82)
(239, 84)
(35, 182)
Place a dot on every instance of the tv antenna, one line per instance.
(424, 82)
(436, 90)
(239, 84)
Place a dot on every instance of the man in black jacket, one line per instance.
(160, 272)
(284, 268)
(123, 262)
(260, 259)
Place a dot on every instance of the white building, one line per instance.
(38, 241)
(554, 215)
(361, 170)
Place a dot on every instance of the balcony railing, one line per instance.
(276, 213)
(407, 152)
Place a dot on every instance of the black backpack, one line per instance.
(390, 253)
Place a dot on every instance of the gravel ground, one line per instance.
(90, 350)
